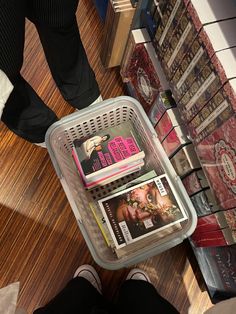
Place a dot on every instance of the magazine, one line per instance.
(112, 175)
(98, 215)
(141, 210)
(115, 147)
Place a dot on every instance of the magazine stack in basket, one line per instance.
(108, 155)
(144, 207)
(128, 208)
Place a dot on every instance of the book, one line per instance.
(214, 238)
(101, 222)
(216, 221)
(217, 155)
(204, 203)
(142, 210)
(112, 175)
(118, 21)
(209, 223)
(146, 75)
(169, 120)
(148, 22)
(195, 182)
(185, 160)
(176, 139)
(210, 79)
(143, 243)
(108, 153)
(218, 266)
(136, 36)
(218, 110)
(163, 102)
(216, 33)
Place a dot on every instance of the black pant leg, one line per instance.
(58, 30)
(78, 297)
(138, 296)
(12, 34)
(24, 113)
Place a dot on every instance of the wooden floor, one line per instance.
(40, 244)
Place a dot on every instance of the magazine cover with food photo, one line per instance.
(141, 210)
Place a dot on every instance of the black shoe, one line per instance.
(26, 115)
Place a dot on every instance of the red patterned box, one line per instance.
(145, 74)
(217, 154)
(143, 77)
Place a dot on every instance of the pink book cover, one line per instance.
(175, 140)
(143, 77)
(217, 154)
(219, 109)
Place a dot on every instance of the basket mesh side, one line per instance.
(101, 122)
(61, 143)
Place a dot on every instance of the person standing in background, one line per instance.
(25, 113)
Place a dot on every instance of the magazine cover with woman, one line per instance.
(139, 211)
(107, 148)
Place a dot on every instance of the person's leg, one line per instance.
(137, 295)
(81, 295)
(24, 113)
(58, 30)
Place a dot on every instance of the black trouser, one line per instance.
(56, 24)
(80, 297)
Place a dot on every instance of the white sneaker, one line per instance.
(90, 274)
(138, 274)
(99, 99)
(41, 144)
